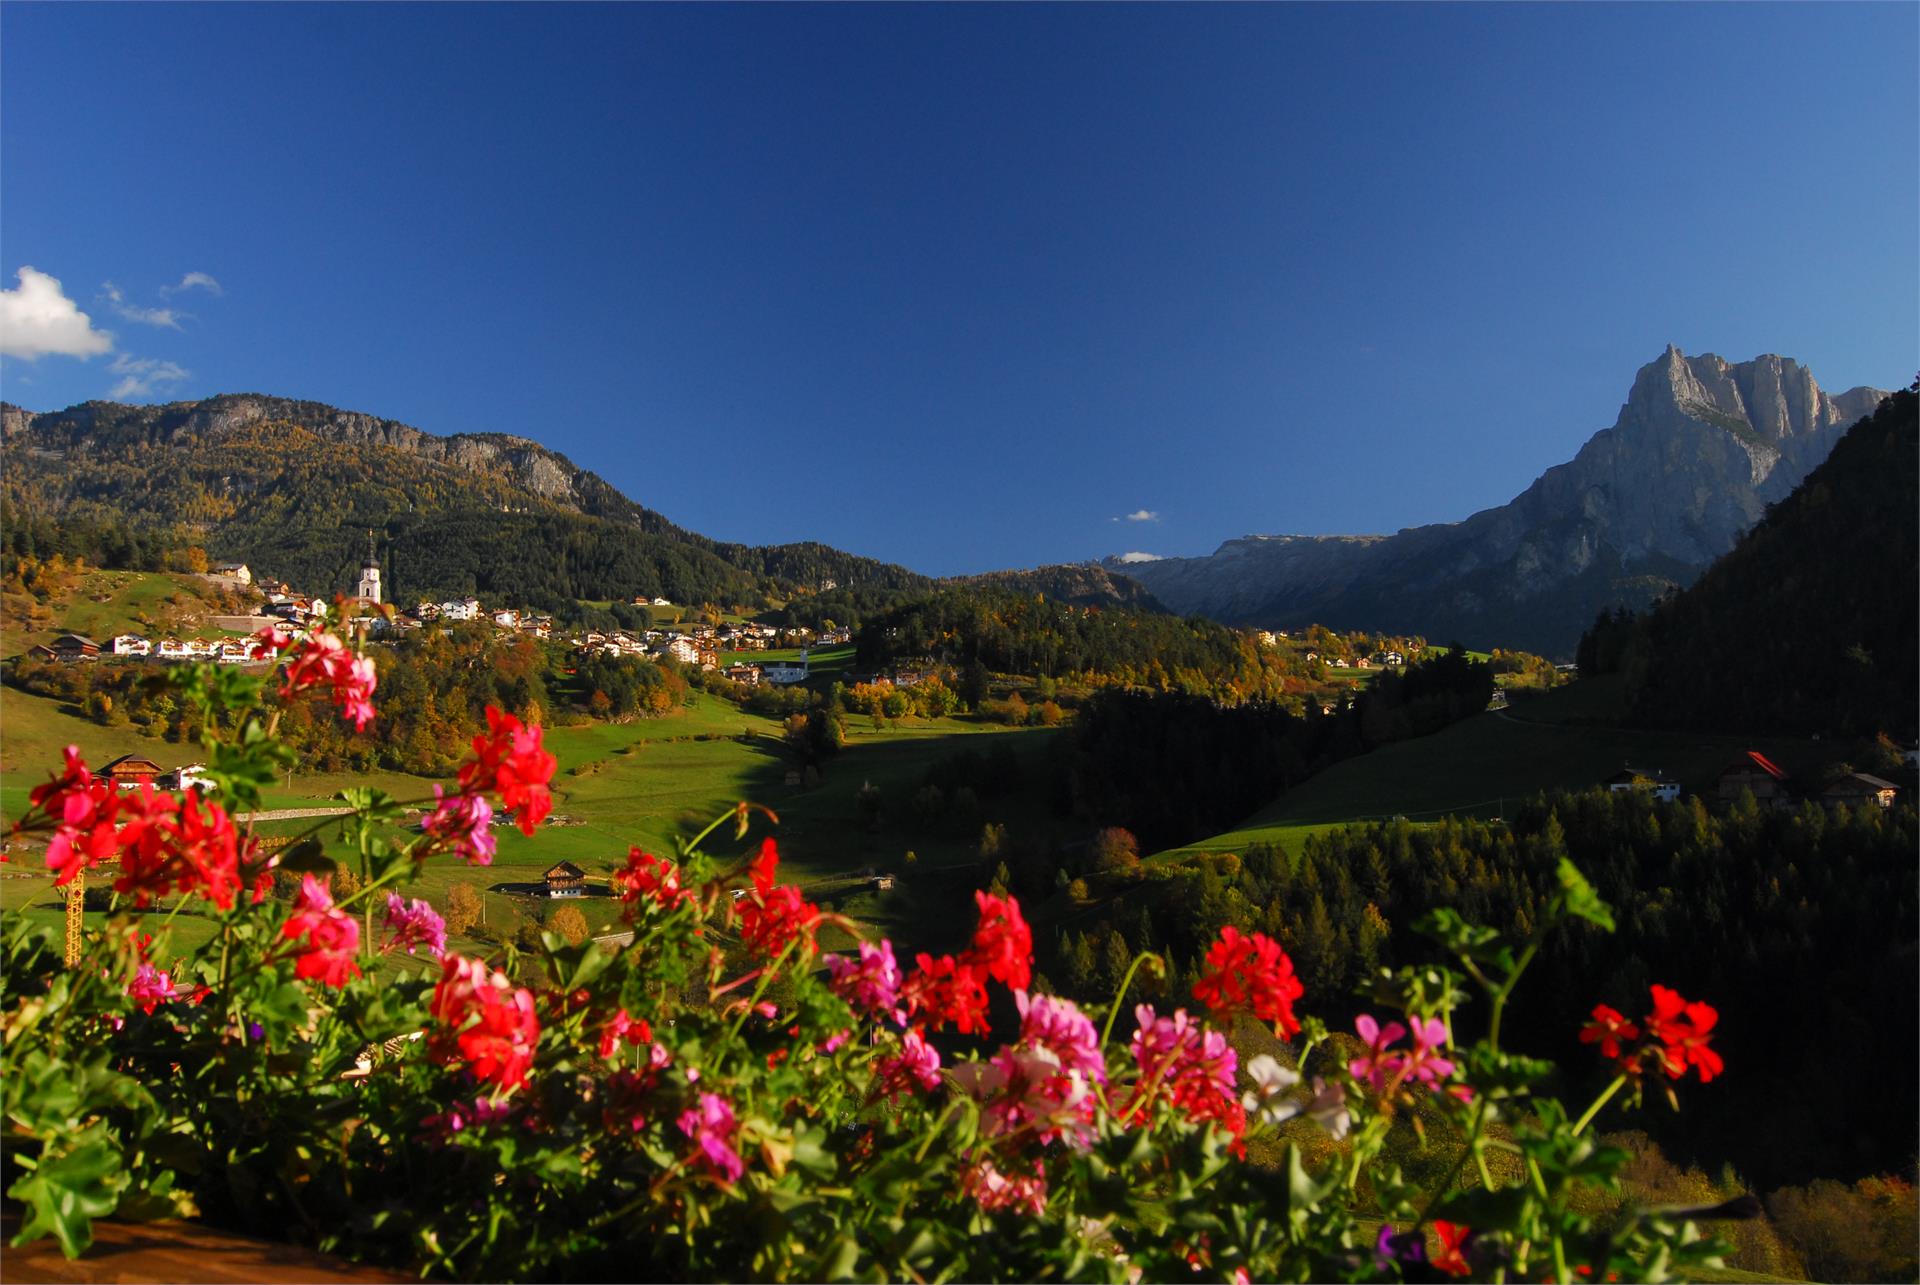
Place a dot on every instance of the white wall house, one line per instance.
(461, 609)
(130, 645)
(784, 671)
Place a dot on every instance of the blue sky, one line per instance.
(965, 287)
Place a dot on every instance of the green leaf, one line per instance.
(1582, 901)
(65, 1192)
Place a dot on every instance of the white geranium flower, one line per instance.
(1270, 1081)
(1329, 1108)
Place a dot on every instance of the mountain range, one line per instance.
(1699, 451)
(294, 487)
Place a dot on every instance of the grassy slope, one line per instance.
(101, 604)
(1492, 760)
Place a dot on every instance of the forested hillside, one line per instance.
(1798, 925)
(1808, 625)
(292, 488)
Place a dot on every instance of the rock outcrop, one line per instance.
(1698, 451)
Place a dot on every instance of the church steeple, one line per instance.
(370, 574)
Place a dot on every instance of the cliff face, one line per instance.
(95, 427)
(1698, 451)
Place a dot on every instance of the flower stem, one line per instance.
(1121, 994)
(1606, 1096)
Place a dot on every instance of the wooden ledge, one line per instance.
(170, 1251)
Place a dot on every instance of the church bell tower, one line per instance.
(370, 574)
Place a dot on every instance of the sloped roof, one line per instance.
(564, 870)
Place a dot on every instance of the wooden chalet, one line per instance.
(129, 772)
(565, 880)
(1754, 771)
(75, 647)
(1858, 789)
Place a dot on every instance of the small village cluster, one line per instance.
(698, 645)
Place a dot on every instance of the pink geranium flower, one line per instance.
(414, 923)
(462, 822)
(870, 984)
(712, 1127)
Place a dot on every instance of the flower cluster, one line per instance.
(1192, 1065)
(324, 659)
(508, 759)
(1254, 974)
(1676, 1032)
(330, 935)
(774, 915)
(414, 923)
(165, 843)
(461, 823)
(648, 878)
(1384, 1069)
(488, 1023)
(946, 990)
(712, 1127)
(870, 985)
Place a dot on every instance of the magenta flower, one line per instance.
(712, 1126)
(1379, 1065)
(915, 1069)
(461, 821)
(1058, 1026)
(1424, 1063)
(871, 985)
(150, 988)
(414, 923)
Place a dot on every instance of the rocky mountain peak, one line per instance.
(1700, 448)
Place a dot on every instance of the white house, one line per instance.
(661, 602)
(683, 649)
(784, 671)
(1655, 782)
(461, 609)
(129, 645)
(233, 653)
(507, 618)
(188, 776)
(170, 649)
(199, 648)
(234, 571)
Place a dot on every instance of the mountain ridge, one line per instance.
(461, 511)
(1697, 452)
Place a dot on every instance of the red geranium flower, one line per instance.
(1683, 1030)
(653, 878)
(1608, 1029)
(1251, 973)
(1450, 1258)
(768, 924)
(332, 935)
(946, 990)
(490, 1025)
(508, 760)
(1002, 943)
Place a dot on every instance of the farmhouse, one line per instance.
(1656, 782)
(565, 880)
(74, 647)
(129, 772)
(1756, 772)
(233, 571)
(1857, 789)
(748, 674)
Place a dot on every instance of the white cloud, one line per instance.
(38, 319)
(1140, 515)
(1139, 557)
(194, 281)
(133, 312)
(143, 376)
